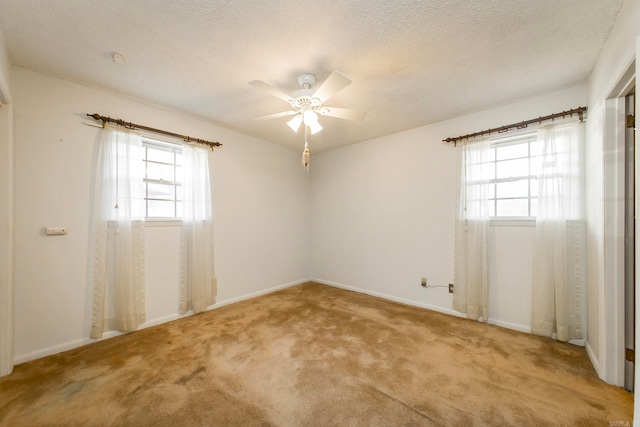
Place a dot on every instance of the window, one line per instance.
(163, 189)
(513, 189)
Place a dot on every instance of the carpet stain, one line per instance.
(314, 355)
(185, 379)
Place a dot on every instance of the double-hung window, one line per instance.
(162, 179)
(513, 181)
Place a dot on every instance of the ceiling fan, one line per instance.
(307, 103)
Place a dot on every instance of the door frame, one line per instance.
(6, 240)
(612, 344)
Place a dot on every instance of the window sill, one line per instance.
(163, 223)
(512, 222)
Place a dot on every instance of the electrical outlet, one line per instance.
(450, 288)
(423, 282)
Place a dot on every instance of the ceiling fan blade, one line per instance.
(276, 115)
(334, 84)
(272, 90)
(342, 113)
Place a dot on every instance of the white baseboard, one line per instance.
(259, 293)
(48, 351)
(509, 325)
(593, 358)
(110, 334)
(390, 297)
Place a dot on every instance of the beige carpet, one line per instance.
(313, 355)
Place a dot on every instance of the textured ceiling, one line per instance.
(412, 63)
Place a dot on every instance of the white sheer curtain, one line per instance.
(560, 245)
(197, 273)
(471, 275)
(118, 229)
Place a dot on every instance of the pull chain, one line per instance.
(306, 156)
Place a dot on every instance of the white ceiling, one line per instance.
(412, 63)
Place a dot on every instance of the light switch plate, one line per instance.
(56, 231)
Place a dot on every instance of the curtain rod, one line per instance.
(579, 111)
(130, 125)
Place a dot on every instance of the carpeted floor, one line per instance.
(313, 355)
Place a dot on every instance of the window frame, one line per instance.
(528, 138)
(176, 149)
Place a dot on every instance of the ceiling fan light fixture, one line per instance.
(310, 118)
(315, 128)
(306, 104)
(295, 122)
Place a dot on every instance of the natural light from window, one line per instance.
(513, 189)
(163, 189)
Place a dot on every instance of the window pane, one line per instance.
(160, 209)
(534, 187)
(482, 171)
(159, 155)
(492, 208)
(492, 191)
(163, 163)
(536, 148)
(512, 168)
(490, 171)
(534, 206)
(518, 188)
(512, 151)
(474, 191)
(161, 191)
(513, 207)
(535, 165)
(158, 171)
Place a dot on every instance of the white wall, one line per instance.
(5, 72)
(6, 215)
(383, 215)
(261, 212)
(615, 59)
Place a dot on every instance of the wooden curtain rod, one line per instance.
(130, 125)
(579, 111)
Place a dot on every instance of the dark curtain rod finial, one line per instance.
(130, 125)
